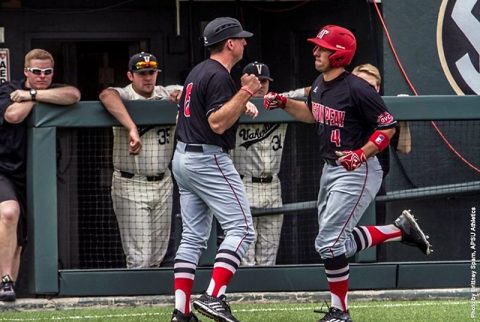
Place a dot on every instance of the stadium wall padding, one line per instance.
(44, 275)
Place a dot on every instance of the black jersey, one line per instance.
(13, 142)
(347, 110)
(13, 137)
(207, 87)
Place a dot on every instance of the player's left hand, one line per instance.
(251, 110)
(175, 96)
(351, 160)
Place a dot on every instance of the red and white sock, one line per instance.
(184, 274)
(369, 236)
(226, 264)
(337, 271)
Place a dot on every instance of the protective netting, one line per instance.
(433, 181)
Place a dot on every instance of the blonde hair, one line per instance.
(37, 54)
(369, 69)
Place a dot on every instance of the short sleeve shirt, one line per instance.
(13, 142)
(208, 86)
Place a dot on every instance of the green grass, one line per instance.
(361, 311)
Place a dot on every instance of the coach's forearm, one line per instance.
(227, 115)
(18, 111)
(61, 95)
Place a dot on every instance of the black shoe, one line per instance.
(178, 316)
(412, 235)
(215, 308)
(7, 292)
(334, 315)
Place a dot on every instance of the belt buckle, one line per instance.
(158, 177)
(265, 179)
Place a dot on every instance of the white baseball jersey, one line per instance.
(259, 147)
(143, 207)
(157, 140)
(258, 154)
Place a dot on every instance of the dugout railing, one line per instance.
(46, 276)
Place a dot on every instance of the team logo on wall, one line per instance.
(458, 44)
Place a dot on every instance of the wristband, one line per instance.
(246, 89)
(380, 139)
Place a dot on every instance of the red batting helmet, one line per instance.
(338, 39)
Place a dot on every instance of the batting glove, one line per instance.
(351, 160)
(274, 100)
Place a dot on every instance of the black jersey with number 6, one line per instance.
(207, 87)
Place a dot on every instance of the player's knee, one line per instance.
(323, 247)
(9, 213)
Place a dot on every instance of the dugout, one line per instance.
(92, 41)
(55, 261)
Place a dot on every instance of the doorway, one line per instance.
(91, 65)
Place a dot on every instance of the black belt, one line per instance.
(264, 179)
(129, 175)
(198, 148)
(331, 162)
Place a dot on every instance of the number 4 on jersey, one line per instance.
(335, 137)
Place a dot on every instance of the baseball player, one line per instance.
(209, 184)
(353, 125)
(17, 100)
(257, 157)
(142, 186)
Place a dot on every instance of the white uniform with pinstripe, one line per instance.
(257, 157)
(142, 187)
(262, 146)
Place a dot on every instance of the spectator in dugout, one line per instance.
(17, 100)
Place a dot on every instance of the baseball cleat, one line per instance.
(178, 316)
(216, 308)
(334, 315)
(412, 234)
(7, 292)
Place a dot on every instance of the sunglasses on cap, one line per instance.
(146, 64)
(40, 71)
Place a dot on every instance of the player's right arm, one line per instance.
(298, 109)
(18, 111)
(114, 104)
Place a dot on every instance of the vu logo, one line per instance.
(458, 44)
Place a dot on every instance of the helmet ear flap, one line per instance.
(338, 39)
(338, 59)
